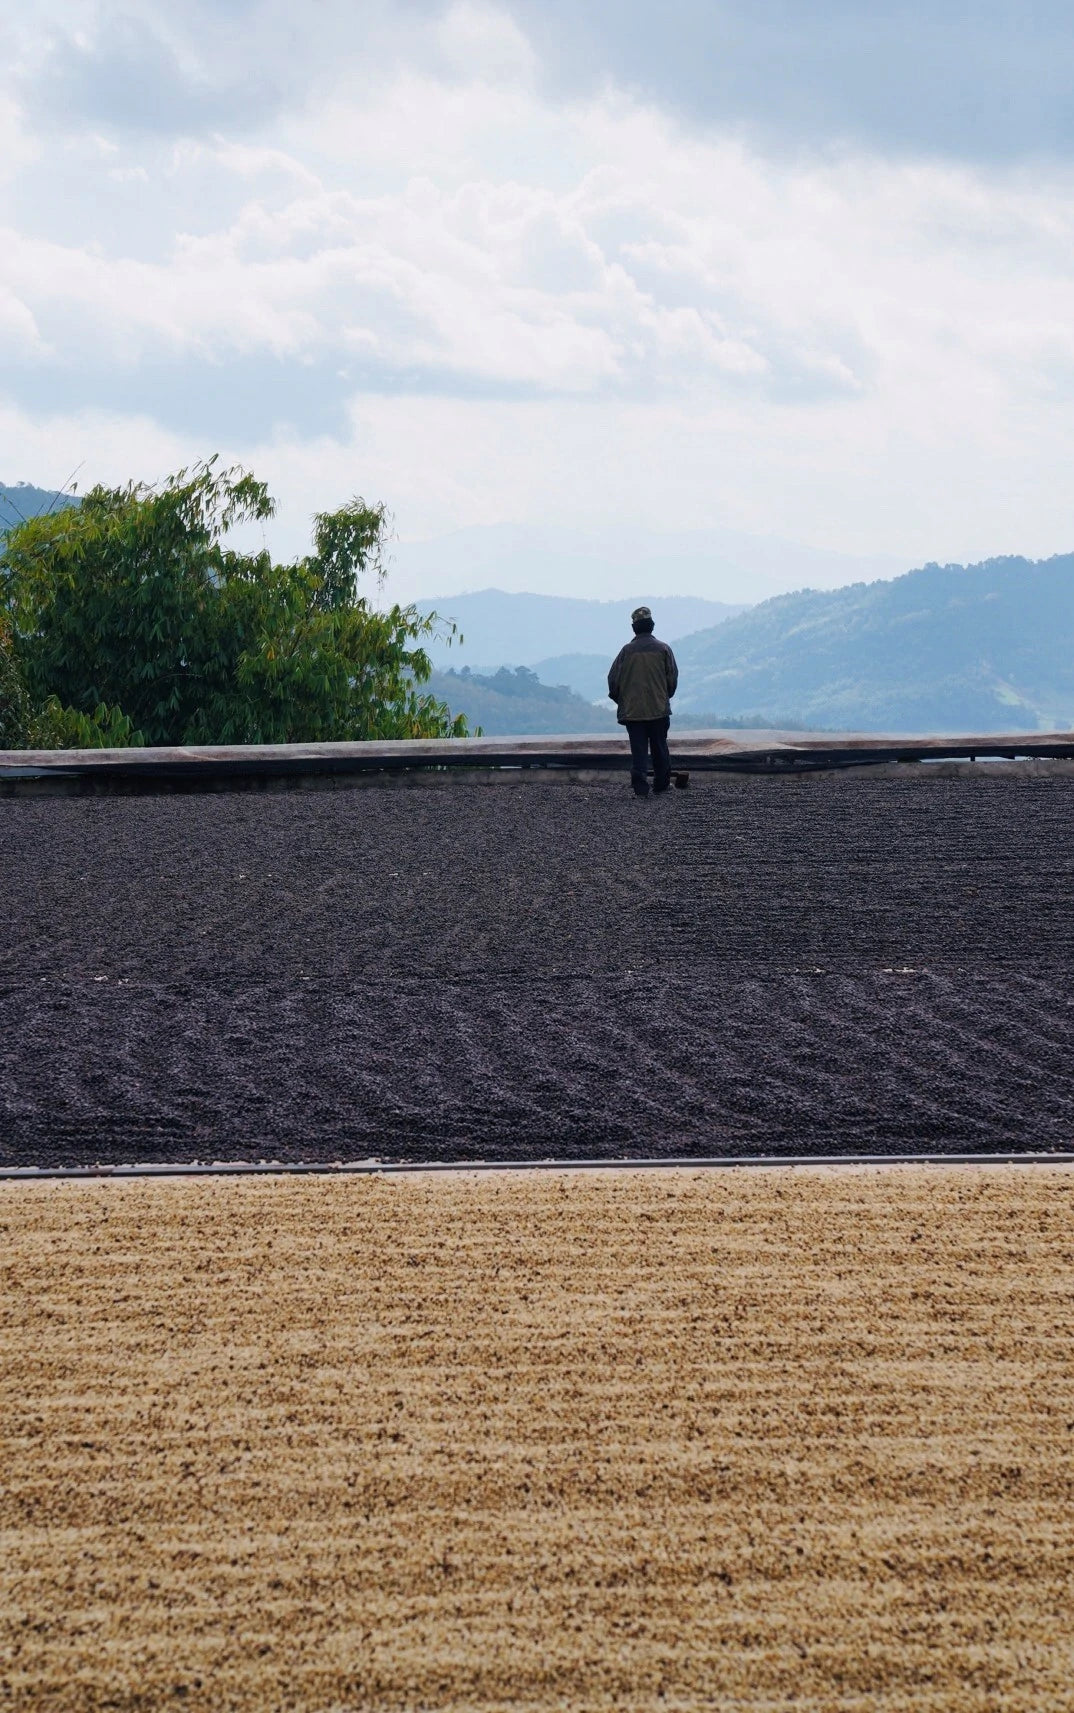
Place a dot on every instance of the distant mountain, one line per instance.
(986, 647)
(500, 629)
(24, 501)
(516, 704)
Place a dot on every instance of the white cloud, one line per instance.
(483, 42)
(54, 449)
(537, 304)
(18, 329)
(17, 148)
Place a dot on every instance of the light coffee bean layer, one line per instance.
(545, 1441)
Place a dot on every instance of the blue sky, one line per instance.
(784, 272)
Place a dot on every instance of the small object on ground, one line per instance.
(681, 781)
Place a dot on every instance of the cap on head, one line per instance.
(641, 618)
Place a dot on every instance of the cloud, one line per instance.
(479, 41)
(130, 76)
(665, 262)
(441, 275)
(973, 79)
(227, 67)
(19, 335)
(17, 149)
(976, 79)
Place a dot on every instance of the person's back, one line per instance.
(641, 683)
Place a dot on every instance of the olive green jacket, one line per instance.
(643, 680)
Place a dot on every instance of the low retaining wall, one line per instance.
(317, 766)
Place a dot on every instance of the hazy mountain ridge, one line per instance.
(987, 646)
(717, 563)
(22, 500)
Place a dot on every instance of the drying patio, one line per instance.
(546, 1441)
(873, 961)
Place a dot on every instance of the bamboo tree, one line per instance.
(131, 611)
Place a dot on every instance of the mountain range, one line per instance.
(986, 647)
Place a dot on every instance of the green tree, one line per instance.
(57, 727)
(132, 612)
(53, 726)
(16, 714)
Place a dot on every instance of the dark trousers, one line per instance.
(649, 737)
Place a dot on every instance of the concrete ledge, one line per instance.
(328, 765)
(643, 1163)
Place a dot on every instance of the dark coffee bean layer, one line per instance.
(756, 965)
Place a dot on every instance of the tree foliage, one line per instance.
(57, 727)
(133, 612)
(16, 713)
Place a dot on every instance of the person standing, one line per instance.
(641, 683)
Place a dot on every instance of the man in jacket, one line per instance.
(641, 683)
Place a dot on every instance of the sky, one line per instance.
(760, 272)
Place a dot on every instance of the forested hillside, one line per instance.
(516, 704)
(986, 647)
